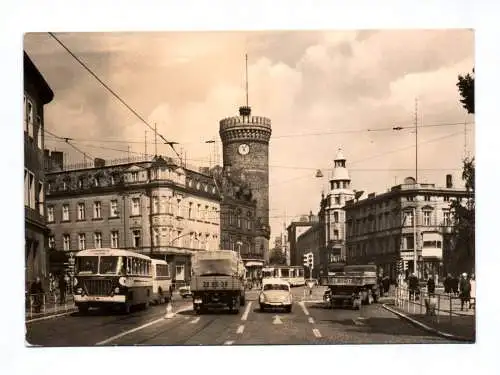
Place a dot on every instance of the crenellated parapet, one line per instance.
(245, 127)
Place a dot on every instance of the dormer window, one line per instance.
(80, 183)
(135, 176)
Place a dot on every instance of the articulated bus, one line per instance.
(162, 282)
(293, 274)
(112, 278)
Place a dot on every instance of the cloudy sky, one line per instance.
(322, 91)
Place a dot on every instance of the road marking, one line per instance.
(240, 329)
(195, 320)
(304, 308)
(49, 317)
(247, 311)
(277, 320)
(316, 332)
(310, 320)
(313, 301)
(113, 338)
(229, 343)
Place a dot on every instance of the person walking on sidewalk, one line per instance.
(465, 288)
(431, 286)
(447, 284)
(36, 291)
(472, 303)
(62, 289)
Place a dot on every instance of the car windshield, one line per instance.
(276, 287)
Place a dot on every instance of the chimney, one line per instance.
(449, 181)
(99, 163)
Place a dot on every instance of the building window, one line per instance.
(156, 237)
(446, 198)
(135, 207)
(29, 189)
(66, 242)
(136, 234)
(335, 234)
(156, 204)
(114, 239)
(112, 180)
(80, 183)
(335, 217)
(29, 117)
(427, 217)
(97, 240)
(41, 198)
(65, 186)
(96, 181)
(113, 208)
(50, 214)
(135, 176)
(65, 212)
(427, 198)
(179, 272)
(81, 241)
(408, 218)
(52, 242)
(409, 198)
(81, 211)
(446, 218)
(238, 220)
(409, 242)
(97, 210)
(337, 200)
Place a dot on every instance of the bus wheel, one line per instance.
(242, 300)
(126, 308)
(146, 305)
(83, 309)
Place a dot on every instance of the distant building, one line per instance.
(294, 230)
(37, 93)
(311, 241)
(153, 206)
(332, 214)
(386, 228)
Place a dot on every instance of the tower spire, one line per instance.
(245, 110)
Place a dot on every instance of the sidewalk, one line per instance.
(51, 307)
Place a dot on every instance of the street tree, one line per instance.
(465, 86)
(277, 257)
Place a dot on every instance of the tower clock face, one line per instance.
(243, 149)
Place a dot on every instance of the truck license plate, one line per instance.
(198, 300)
(342, 281)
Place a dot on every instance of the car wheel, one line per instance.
(83, 309)
(289, 309)
(262, 308)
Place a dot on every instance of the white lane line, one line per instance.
(310, 320)
(113, 338)
(240, 329)
(195, 320)
(49, 317)
(304, 308)
(247, 311)
(316, 332)
(229, 343)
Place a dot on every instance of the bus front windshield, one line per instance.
(104, 265)
(110, 265)
(87, 265)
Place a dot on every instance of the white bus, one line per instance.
(111, 277)
(162, 282)
(293, 274)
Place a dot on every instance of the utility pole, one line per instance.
(415, 242)
(416, 140)
(246, 76)
(156, 141)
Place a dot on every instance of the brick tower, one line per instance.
(245, 145)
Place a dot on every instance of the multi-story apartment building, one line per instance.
(155, 207)
(294, 230)
(410, 223)
(332, 214)
(311, 241)
(37, 93)
(238, 219)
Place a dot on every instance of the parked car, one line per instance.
(275, 293)
(185, 291)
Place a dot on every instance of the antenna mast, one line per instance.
(416, 140)
(156, 142)
(246, 76)
(145, 143)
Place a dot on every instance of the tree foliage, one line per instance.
(465, 86)
(464, 229)
(277, 257)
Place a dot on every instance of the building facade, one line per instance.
(410, 224)
(294, 230)
(311, 242)
(332, 214)
(238, 219)
(37, 93)
(154, 207)
(245, 142)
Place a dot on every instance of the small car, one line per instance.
(185, 291)
(275, 293)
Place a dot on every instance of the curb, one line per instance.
(426, 327)
(50, 315)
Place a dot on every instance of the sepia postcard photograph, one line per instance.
(249, 187)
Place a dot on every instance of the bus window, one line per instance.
(87, 264)
(284, 272)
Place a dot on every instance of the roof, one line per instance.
(340, 155)
(110, 252)
(274, 280)
(33, 75)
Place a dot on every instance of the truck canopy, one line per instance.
(360, 268)
(218, 263)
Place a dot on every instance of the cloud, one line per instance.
(337, 84)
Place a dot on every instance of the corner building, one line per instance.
(245, 143)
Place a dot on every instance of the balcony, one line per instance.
(34, 217)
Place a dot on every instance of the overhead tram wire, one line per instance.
(171, 144)
(67, 141)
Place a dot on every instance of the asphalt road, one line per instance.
(308, 323)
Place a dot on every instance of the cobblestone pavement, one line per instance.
(308, 323)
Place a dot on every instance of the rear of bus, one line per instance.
(107, 278)
(162, 282)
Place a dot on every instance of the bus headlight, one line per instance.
(122, 281)
(75, 281)
(262, 298)
(117, 290)
(79, 291)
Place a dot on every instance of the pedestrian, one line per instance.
(62, 289)
(465, 288)
(454, 285)
(431, 286)
(413, 285)
(386, 283)
(36, 291)
(448, 284)
(472, 303)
